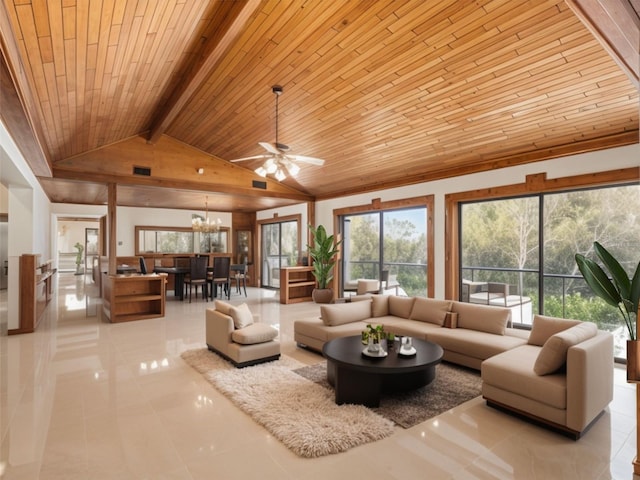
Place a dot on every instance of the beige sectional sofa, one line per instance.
(559, 373)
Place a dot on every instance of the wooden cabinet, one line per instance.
(296, 284)
(132, 297)
(36, 291)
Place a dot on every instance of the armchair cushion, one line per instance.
(254, 333)
(553, 354)
(241, 316)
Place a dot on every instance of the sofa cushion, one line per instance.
(430, 310)
(241, 315)
(482, 317)
(400, 306)
(543, 327)
(512, 371)
(553, 354)
(254, 333)
(473, 343)
(223, 307)
(341, 313)
(379, 305)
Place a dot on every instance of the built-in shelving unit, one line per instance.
(36, 291)
(296, 284)
(133, 297)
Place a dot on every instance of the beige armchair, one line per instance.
(240, 340)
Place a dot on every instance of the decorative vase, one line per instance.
(633, 357)
(374, 345)
(322, 295)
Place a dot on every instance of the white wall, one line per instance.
(623, 157)
(29, 210)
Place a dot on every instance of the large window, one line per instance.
(520, 252)
(392, 243)
(180, 240)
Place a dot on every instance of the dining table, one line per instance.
(178, 273)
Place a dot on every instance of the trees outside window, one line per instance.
(393, 240)
(530, 243)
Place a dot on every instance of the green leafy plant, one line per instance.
(323, 253)
(377, 334)
(80, 249)
(615, 287)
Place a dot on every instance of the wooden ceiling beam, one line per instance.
(616, 25)
(202, 71)
(18, 103)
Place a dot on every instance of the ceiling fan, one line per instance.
(278, 160)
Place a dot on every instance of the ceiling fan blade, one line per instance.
(255, 157)
(305, 159)
(270, 148)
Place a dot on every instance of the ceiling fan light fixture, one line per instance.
(292, 168)
(280, 175)
(270, 166)
(261, 171)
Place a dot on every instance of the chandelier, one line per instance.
(205, 225)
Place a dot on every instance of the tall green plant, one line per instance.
(323, 253)
(615, 288)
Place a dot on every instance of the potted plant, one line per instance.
(80, 248)
(377, 336)
(619, 290)
(323, 253)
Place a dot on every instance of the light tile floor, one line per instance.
(84, 399)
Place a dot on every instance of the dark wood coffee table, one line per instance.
(360, 379)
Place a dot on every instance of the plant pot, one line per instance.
(633, 357)
(322, 295)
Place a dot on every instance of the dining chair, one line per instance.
(221, 276)
(197, 276)
(239, 276)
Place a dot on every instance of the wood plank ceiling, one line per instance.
(386, 92)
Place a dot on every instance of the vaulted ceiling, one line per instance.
(386, 92)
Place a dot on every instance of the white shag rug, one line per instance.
(300, 413)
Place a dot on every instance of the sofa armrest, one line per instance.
(589, 379)
(219, 328)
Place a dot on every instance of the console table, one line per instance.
(132, 297)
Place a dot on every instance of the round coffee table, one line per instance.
(360, 379)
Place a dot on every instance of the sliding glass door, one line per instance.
(520, 252)
(280, 242)
(389, 243)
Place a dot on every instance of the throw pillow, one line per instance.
(241, 316)
(430, 310)
(451, 320)
(553, 354)
(222, 307)
(254, 333)
(544, 327)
